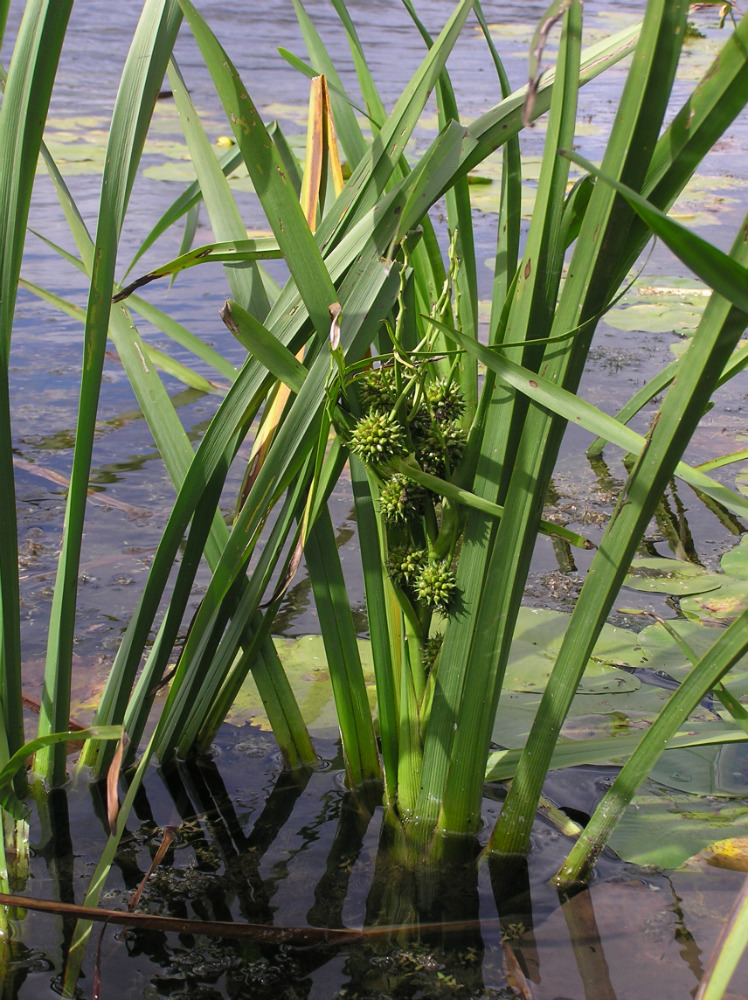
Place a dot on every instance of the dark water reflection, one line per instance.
(258, 845)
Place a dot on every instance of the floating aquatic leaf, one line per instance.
(666, 829)
(670, 576)
(720, 606)
(708, 771)
(657, 317)
(305, 664)
(537, 639)
(735, 562)
(530, 667)
(663, 653)
(182, 171)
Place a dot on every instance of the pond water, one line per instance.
(253, 843)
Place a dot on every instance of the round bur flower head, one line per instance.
(377, 438)
(446, 400)
(431, 649)
(404, 565)
(439, 450)
(400, 499)
(435, 584)
(378, 389)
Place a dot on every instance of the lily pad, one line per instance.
(530, 666)
(547, 628)
(305, 664)
(712, 770)
(537, 640)
(663, 653)
(666, 829)
(670, 576)
(721, 606)
(735, 562)
(657, 317)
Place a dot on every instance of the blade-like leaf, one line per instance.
(141, 80)
(23, 113)
(228, 251)
(717, 269)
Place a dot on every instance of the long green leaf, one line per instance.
(717, 269)
(225, 218)
(341, 648)
(346, 125)
(508, 229)
(361, 300)
(23, 113)
(610, 751)
(275, 191)
(372, 174)
(730, 946)
(233, 251)
(187, 200)
(577, 410)
(719, 330)
(141, 81)
(8, 798)
(261, 344)
(484, 650)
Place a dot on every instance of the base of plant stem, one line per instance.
(411, 888)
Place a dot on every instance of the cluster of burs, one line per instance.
(412, 413)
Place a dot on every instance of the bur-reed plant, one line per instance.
(451, 433)
(449, 472)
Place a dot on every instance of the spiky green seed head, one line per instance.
(377, 438)
(430, 652)
(435, 585)
(446, 400)
(439, 449)
(400, 500)
(404, 565)
(378, 391)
